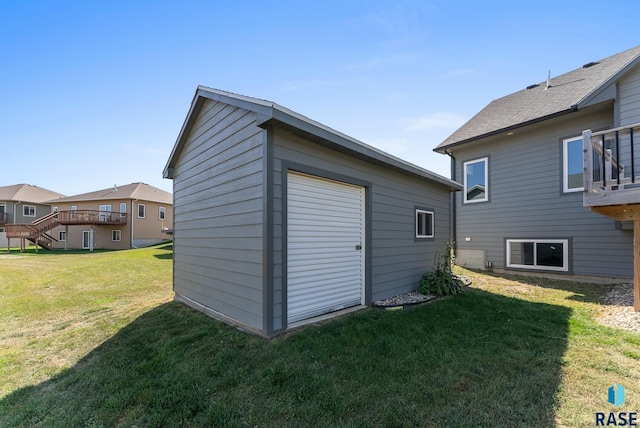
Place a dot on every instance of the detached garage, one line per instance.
(279, 220)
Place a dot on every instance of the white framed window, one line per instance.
(116, 235)
(29, 210)
(538, 254)
(123, 209)
(104, 212)
(2, 229)
(424, 224)
(54, 209)
(572, 167)
(476, 180)
(141, 211)
(162, 213)
(62, 235)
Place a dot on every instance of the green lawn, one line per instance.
(94, 340)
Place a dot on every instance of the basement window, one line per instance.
(424, 224)
(116, 235)
(538, 254)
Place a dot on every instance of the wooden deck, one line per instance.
(611, 172)
(94, 217)
(64, 218)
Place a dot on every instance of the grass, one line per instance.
(94, 340)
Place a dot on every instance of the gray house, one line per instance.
(279, 220)
(520, 160)
(23, 203)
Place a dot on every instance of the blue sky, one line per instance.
(94, 93)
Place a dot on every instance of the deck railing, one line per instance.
(91, 217)
(21, 230)
(56, 218)
(611, 165)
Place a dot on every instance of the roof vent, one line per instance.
(533, 86)
(590, 64)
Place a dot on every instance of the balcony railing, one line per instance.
(91, 217)
(612, 169)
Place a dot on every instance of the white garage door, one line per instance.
(325, 246)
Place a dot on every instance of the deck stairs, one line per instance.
(36, 232)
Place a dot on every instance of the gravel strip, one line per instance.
(410, 298)
(619, 311)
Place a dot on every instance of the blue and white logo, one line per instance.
(616, 395)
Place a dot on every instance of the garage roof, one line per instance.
(270, 113)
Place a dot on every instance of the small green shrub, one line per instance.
(441, 281)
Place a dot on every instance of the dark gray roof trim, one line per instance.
(269, 113)
(567, 93)
(443, 149)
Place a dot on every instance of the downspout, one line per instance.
(14, 222)
(132, 216)
(452, 228)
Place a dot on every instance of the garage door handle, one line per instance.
(358, 247)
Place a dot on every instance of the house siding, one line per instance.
(218, 214)
(3, 236)
(148, 230)
(629, 90)
(102, 233)
(16, 216)
(526, 200)
(18, 209)
(398, 259)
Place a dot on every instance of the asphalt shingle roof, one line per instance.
(141, 191)
(568, 92)
(27, 193)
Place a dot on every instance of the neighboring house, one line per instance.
(130, 216)
(23, 203)
(280, 219)
(521, 162)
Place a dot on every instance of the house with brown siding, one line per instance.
(121, 217)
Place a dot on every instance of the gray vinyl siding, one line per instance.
(629, 90)
(218, 214)
(9, 210)
(526, 199)
(397, 259)
(20, 218)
